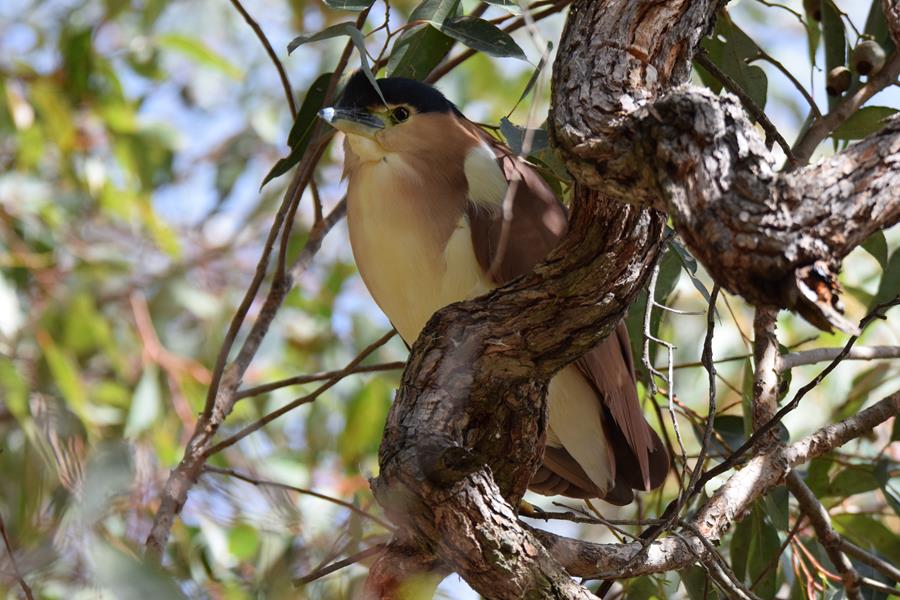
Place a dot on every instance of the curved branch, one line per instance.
(773, 238)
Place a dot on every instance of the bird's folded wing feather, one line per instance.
(538, 222)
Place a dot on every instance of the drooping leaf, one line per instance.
(515, 137)
(533, 79)
(835, 38)
(869, 533)
(435, 11)
(417, 52)
(864, 122)
(890, 281)
(851, 480)
(698, 584)
(890, 486)
(351, 5)
(876, 245)
(732, 49)
(481, 35)
(509, 5)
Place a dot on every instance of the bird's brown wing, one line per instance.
(538, 222)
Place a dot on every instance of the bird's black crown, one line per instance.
(360, 94)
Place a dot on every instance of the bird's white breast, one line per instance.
(411, 267)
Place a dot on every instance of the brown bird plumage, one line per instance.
(425, 224)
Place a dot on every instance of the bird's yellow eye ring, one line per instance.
(400, 114)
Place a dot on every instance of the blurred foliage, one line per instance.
(134, 136)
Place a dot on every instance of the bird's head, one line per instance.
(414, 118)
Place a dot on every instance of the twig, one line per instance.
(732, 460)
(772, 134)
(336, 566)
(830, 540)
(884, 567)
(735, 586)
(12, 559)
(707, 359)
(285, 82)
(312, 377)
(819, 130)
(817, 355)
(317, 200)
(265, 420)
(299, 490)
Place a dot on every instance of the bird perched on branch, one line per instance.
(425, 198)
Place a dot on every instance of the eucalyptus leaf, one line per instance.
(482, 36)
(864, 122)
(876, 245)
(417, 52)
(351, 5)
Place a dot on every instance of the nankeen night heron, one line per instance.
(425, 196)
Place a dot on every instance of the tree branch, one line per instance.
(729, 503)
(774, 238)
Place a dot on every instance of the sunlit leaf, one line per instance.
(145, 404)
(128, 577)
(512, 6)
(196, 50)
(351, 5)
(876, 245)
(243, 541)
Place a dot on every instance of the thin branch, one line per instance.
(285, 82)
(12, 559)
(759, 115)
(337, 566)
(727, 506)
(312, 377)
(763, 55)
(265, 420)
(711, 370)
(817, 355)
(732, 460)
(821, 128)
(828, 537)
(299, 490)
(884, 567)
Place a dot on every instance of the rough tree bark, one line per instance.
(466, 430)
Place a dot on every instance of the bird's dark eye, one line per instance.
(400, 114)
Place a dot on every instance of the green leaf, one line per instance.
(351, 5)
(436, 11)
(731, 49)
(817, 475)
(698, 584)
(198, 51)
(856, 479)
(66, 374)
(730, 430)
(146, 403)
(890, 486)
(876, 245)
(333, 31)
(512, 6)
(515, 137)
(890, 281)
(762, 545)
(129, 578)
(533, 79)
(243, 541)
(349, 29)
(417, 52)
(835, 39)
(776, 506)
(301, 132)
(864, 122)
(365, 422)
(481, 35)
(868, 533)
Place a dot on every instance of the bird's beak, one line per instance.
(357, 122)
